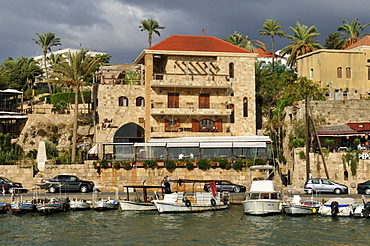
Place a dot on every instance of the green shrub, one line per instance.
(32, 154)
(170, 165)
(203, 164)
(302, 155)
(238, 164)
(189, 165)
(104, 163)
(224, 164)
(116, 164)
(150, 164)
(256, 162)
(127, 165)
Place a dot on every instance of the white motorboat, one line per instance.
(339, 207)
(296, 207)
(180, 202)
(139, 203)
(18, 204)
(80, 204)
(101, 204)
(363, 209)
(262, 198)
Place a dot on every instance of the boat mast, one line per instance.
(307, 139)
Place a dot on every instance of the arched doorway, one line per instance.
(129, 133)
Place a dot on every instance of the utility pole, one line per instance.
(307, 140)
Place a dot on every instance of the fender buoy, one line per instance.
(225, 201)
(187, 203)
(213, 202)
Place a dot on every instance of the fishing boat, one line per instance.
(139, 202)
(296, 207)
(80, 204)
(339, 206)
(101, 204)
(53, 205)
(262, 198)
(194, 201)
(363, 209)
(20, 205)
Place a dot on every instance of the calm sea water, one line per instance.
(228, 227)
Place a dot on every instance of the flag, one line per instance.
(2, 186)
(213, 188)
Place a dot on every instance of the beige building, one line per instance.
(184, 86)
(346, 73)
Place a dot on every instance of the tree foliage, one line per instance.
(151, 26)
(243, 41)
(350, 32)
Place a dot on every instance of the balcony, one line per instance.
(190, 81)
(160, 108)
(162, 131)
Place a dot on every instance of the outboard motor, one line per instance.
(334, 208)
(366, 210)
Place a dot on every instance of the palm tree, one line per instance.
(46, 41)
(75, 71)
(150, 26)
(351, 32)
(302, 43)
(271, 28)
(333, 41)
(30, 69)
(243, 41)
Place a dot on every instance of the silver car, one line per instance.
(324, 185)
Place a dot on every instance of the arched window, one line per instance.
(245, 107)
(140, 102)
(206, 125)
(348, 73)
(123, 101)
(231, 70)
(339, 72)
(311, 73)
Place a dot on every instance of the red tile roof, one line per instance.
(365, 126)
(265, 53)
(197, 43)
(365, 41)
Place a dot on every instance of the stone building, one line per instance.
(184, 86)
(346, 73)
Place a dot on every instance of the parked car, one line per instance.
(324, 185)
(223, 185)
(66, 183)
(8, 186)
(364, 188)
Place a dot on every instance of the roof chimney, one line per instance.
(203, 32)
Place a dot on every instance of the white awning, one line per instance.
(216, 145)
(249, 144)
(173, 145)
(93, 150)
(150, 144)
(12, 117)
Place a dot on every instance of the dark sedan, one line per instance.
(223, 185)
(364, 188)
(66, 183)
(8, 186)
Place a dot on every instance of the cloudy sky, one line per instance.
(112, 26)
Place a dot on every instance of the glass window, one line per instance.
(245, 107)
(231, 70)
(316, 181)
(348, 72)
(311, 73)
(123, 101)
(140, 102)
(171, 122)
(339, 72)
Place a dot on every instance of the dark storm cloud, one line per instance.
(112, 25)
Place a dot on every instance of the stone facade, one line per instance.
(344, 72)
(187, 94)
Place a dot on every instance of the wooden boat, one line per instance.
(139, 203)
(194, 201)
(3, 207)
(19, 205)
(80, 204)
(53, 205)
(339, 207)
(262, 198)
(296, 207)
(101, 204)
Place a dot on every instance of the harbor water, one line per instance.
(227, 227)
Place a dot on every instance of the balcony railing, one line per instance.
(191, 80)
(186, 108)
